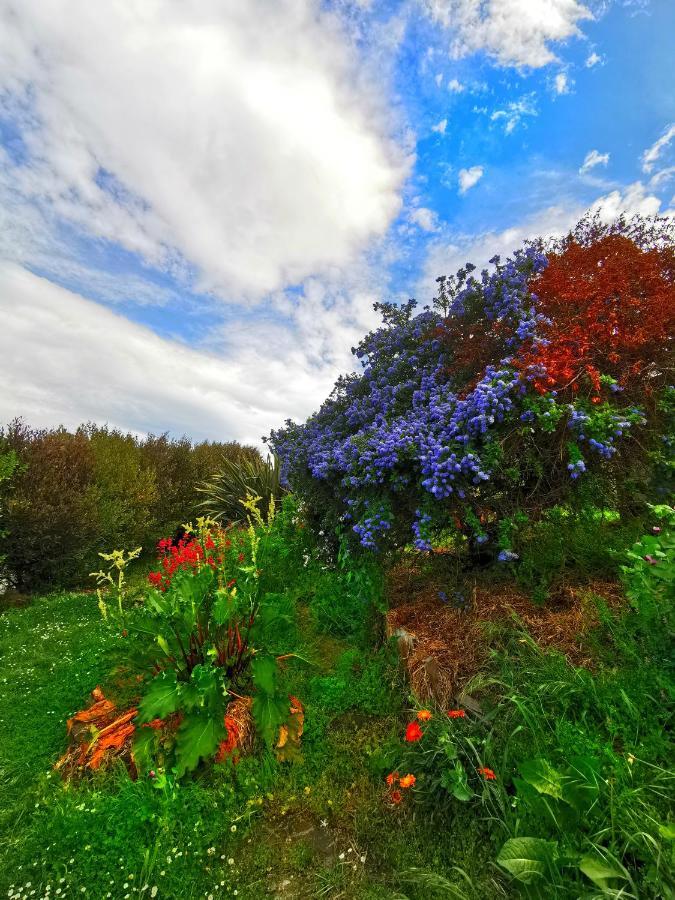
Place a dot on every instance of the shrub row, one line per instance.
(75, 494)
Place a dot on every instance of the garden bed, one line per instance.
(443, 647)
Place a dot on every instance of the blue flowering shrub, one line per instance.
(445, 428)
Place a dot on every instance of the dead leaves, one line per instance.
(97, 736)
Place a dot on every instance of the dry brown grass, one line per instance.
(444, 647)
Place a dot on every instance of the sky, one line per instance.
(200, 200)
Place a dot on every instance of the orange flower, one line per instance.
(391, 778)
(407, 781)
(456, 713)
(413, 732)
(424, 715)
(396, 797)
(487, 774)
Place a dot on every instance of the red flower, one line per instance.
(487, 774)
(155, 579)
(413, 732)
(391, 778)
(209, 543)
(456, 713)
(241, 557)
(396, 797)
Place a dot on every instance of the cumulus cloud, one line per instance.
(425, 218)
(592, 60)
(514, 32)
(176, 130)
(593, 158)
(652, 154)
(469, 177)
(455, 86)
(440, 127)
(86, 362)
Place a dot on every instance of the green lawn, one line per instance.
(318, 827)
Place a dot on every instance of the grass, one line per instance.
(320, 825)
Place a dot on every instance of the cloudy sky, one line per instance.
(200, 200)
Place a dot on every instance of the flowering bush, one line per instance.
(513, 388)
(205, 634)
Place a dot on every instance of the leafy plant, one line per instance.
(204, 633)
(237, 479)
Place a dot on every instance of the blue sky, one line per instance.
(200, 201)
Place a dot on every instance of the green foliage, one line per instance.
(367, 683)
(73, 495)
(347, 597)
(210, 632)
(236, 479)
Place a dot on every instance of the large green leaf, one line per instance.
(527, 858)
(600, 871)
(270, 707)
(198, 738)
(145, 745)
(161, 699)
(541, 775)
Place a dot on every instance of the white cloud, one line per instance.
(514, 112)
(439, 79)
(562, 83)
(180, 132)
(440, 127)
(661, 177)
(425, 218)
(652, 154)
(592, 60)
(89, 363)
(514, 32)
(455, 86)
(593, 158)
(469, 177)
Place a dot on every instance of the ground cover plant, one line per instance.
(434, 660)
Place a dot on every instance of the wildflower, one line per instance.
(241, 557)
(407, 781)
(656, 530)
(391, 778)
(650, 559)
(396, 797)
(413, 732)
(487, 774)
(456, 713)
(424, 715)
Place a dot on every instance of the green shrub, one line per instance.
(75, 494)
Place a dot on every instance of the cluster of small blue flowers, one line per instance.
(612, 426)
(369, 528)
(419, 528)
(576, 468)
(507, 556)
